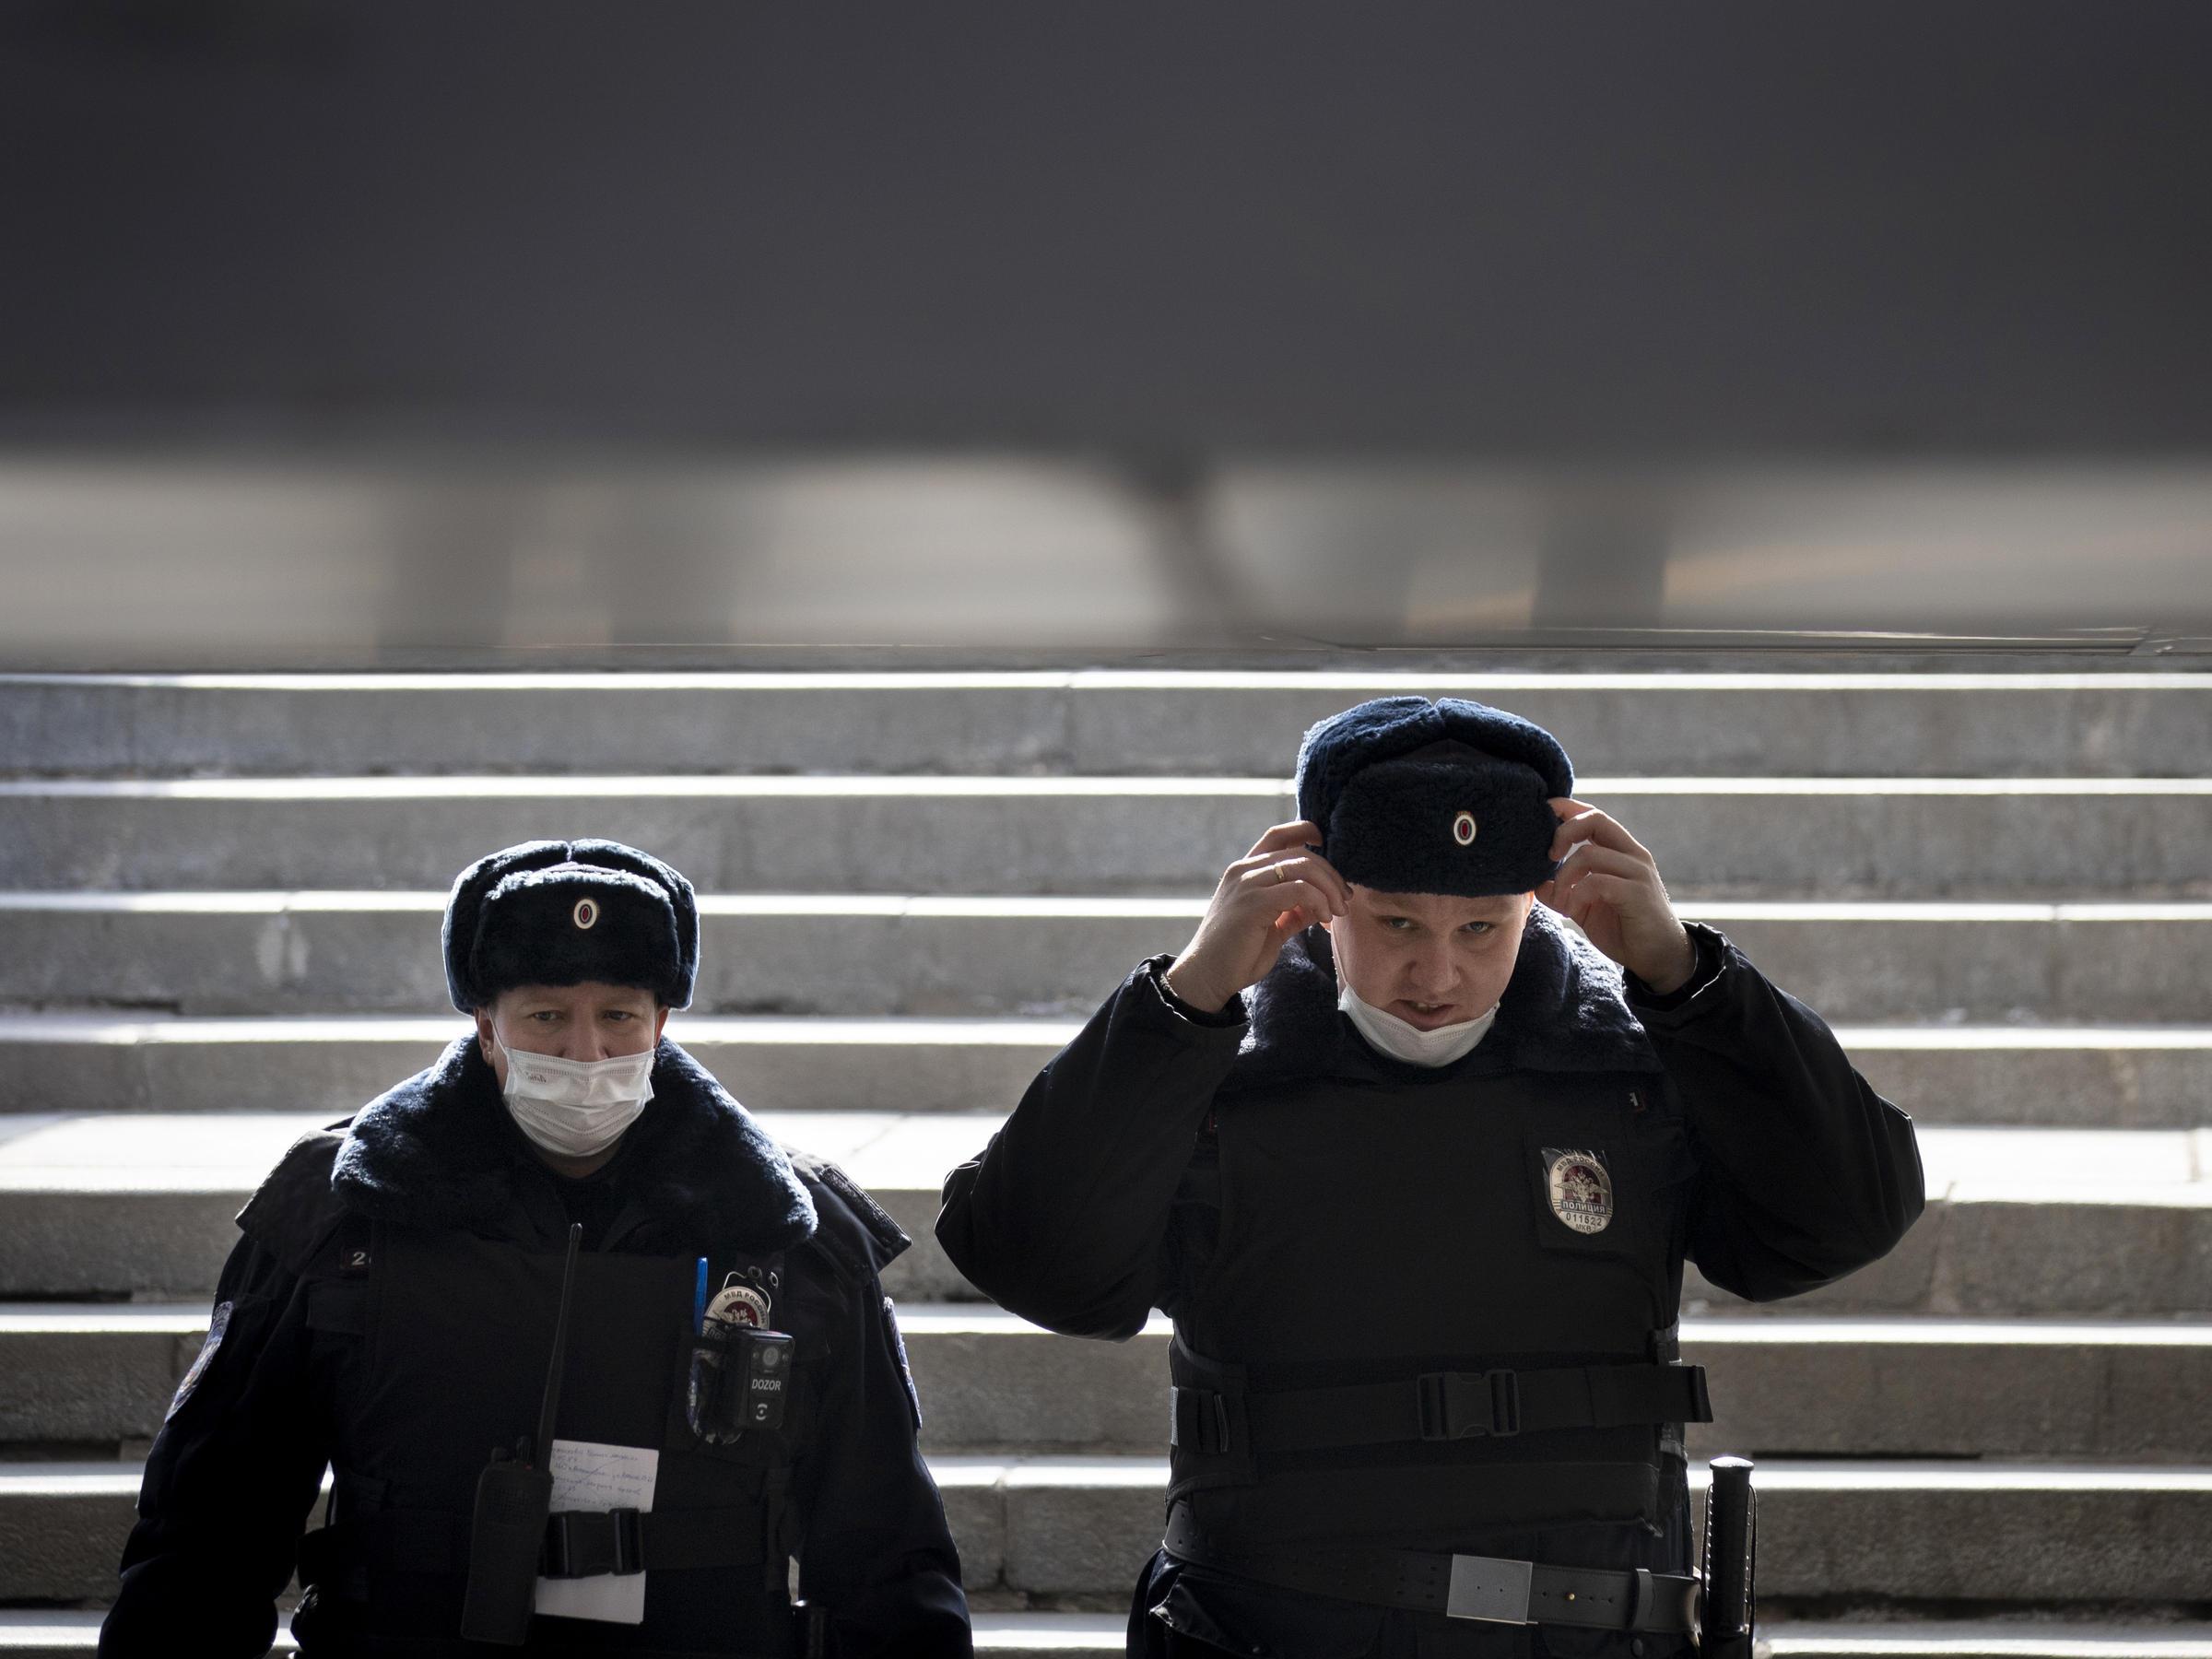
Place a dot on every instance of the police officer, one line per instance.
(391, 1311)
(1413, 1169)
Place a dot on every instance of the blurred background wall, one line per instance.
(336, 334)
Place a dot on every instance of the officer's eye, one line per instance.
(618, 1014)
(1398, 923)
(545, 1015)
(1479, 927)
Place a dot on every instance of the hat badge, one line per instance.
(1463, 829)
(585, 914)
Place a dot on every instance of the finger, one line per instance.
(1266, 893)
(1306, 868)
(1589, 856)
(1581, 822)
(1282, 837)
(1262, 855)
(1626, 891)
(1598, 890)
(1302, 905)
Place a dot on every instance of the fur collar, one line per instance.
(439, 1150)
(1564, 1010)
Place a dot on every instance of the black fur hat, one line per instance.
(1414, 796)
(557, 913)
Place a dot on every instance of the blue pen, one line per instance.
(699, 1300)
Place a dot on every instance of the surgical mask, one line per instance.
(576, 1108)
(1402, 1039)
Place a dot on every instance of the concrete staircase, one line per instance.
(218, 897)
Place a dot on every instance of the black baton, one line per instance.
(1731, 1546)
(514, 1495)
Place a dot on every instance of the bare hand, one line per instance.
(1278, 888)
(1609, 887)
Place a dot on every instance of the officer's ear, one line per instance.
(660, 1019)
(488, 1047)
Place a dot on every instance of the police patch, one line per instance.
(217, 1323)
(1463, 829)
(1579, 1189)
(906, 1371)
(739, 1305)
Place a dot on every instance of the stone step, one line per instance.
(95, 1373)
(2086, 1077)
(1063, 1527)
(1715, 837)
(1086, 722)
(261, 953)
(73, 1634)
(2021, 1222)
(2017, 1637)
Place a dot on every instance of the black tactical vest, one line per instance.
(435, 1346)
(1437, 1307)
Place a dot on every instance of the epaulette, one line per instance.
(855, 1230)
(294, 1210)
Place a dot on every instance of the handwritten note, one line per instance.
(587, 1475)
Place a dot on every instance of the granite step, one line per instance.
(1730, 837)
(69, 1633)
(1081, 1527)
(1933, 724)
(2021, 1636)
(2058, 1075)
(2021, 1222)
(74, 1634)
(1782, 1384)
(267, 953)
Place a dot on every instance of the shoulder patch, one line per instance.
(854, 1227)
(906, 1370)
(218, 1326)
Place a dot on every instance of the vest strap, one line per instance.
(579, 1543)
(1443, 1406)
(1488, 1588)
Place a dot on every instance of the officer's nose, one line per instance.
(1433, 974)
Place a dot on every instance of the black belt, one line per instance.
(1491, 1588)
(1444, 1405)
(579, 1543)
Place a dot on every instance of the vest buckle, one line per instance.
(586, 1544)
(1469, 1405)
(1199, 1420)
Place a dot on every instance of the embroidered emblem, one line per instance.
(586, 914)
(219, 1322)
(739, 1305)
(906, 1371)
(1579, 1189)
(1463, 829)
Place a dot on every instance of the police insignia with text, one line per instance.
(1579, 1189)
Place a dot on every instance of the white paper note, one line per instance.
(587, 1475)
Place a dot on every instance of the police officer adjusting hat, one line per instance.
(561, 912)
(1415, 796)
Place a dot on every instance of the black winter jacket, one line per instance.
(234, 1471)
(1101, 1198)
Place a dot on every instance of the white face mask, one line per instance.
(576, 1108)
(1402, 1039)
